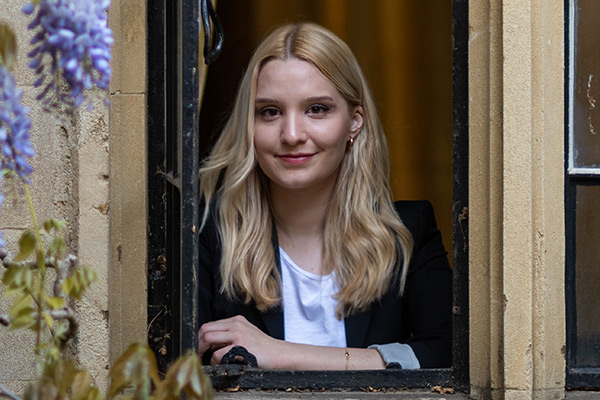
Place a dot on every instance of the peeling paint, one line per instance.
(463, 217)
(473, 36)
(103, 208)
(592, 104)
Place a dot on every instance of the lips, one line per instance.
(296, 158)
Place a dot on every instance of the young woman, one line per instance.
(305, 261)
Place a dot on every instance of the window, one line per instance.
(582, 191)
(179, 134)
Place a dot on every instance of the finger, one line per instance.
(218, 355)
(224, 324)
(221, 338)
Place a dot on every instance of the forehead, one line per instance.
(292, 76)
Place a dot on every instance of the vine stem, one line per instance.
(4, 392)
(41, 266)
(36, 226)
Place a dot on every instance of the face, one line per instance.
(302, 125)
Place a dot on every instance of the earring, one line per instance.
(349, 144)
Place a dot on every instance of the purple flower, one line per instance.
(15, 147)
(71, 46)
(1, 200)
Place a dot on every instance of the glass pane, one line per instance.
(588, 276)
(586, 93)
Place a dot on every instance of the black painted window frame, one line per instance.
(174, 148)
(577, 378)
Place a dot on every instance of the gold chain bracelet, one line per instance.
(347, 354)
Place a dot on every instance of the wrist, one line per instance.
(279, 356)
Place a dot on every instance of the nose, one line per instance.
(293, 130)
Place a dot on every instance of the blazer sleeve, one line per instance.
(209, 254)
(428, 293)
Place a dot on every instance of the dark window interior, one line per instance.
(179, 135)
(582, 190)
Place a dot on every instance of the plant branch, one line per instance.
(62, 270)
(41, 265)
(63, 313)
(4, 392)
(64, 265)
(36, 226)
(69, 315)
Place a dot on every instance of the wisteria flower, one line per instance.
(1, 200)
(71, 53)
(16, 148)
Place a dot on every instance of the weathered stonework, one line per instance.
(91, 171)
(72, 181)
(516, 201)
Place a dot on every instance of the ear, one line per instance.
(357, 121)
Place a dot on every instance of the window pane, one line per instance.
(588, 276)
(586, 93)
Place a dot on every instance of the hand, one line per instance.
(224, 334)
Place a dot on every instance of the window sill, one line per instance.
(237, 376)
(420, 394)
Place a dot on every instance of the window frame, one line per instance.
(174, 147)
(577, 378)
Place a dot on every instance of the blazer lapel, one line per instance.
(273, 319)
(357, 326)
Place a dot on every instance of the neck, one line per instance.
(300, 217)
(300, 213)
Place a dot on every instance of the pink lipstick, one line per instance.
(296, 158)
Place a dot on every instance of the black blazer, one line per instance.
(422, 317)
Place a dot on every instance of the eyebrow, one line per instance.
(261, 100)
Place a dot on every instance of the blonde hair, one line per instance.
(364, 237)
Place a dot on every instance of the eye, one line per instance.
(318, 109)
(269, 112)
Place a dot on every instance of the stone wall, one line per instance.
(516, 204)
(516, 199)
(75, 172)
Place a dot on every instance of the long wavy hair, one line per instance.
(364, 237)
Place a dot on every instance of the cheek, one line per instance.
(260, 147)
(262, 138)
(261, 150)
(336, 140)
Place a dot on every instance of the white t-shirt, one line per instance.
(309, 306)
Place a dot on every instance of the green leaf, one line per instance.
(79, 281)
(8, 47)
(67, 286)
(23, 318)
(58, 247)
(55, 302)
(27, 244)
(19, 279)
(40, 390)
(53, 353)
(19, 304)
(61, 372)
(49, 320)
(54, 225)
(186, 375)
(16, 278)
(61, 331)
(9, 276)
(135, 367)
(27, 278)
(83, 388)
